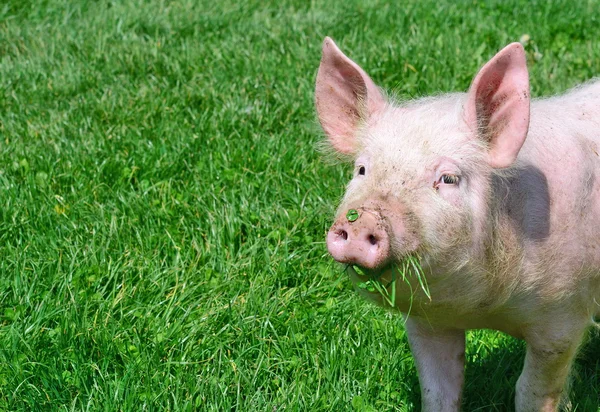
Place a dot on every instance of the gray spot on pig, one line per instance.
(525, 199)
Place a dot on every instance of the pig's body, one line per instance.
(556, 171)
(509, 241)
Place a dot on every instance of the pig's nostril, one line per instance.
(372, 239)
(343, 234)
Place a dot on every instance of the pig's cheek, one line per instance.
(404, 232)
(451, 195)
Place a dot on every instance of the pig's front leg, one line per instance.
(440, 359)
(547, 364)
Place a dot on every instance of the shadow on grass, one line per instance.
(585, 378)
(491, 377)
(491, 373)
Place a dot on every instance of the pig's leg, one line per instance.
(440, 358)
(548, 361)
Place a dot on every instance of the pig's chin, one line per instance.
(360, 274)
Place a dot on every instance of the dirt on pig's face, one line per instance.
(426, 182)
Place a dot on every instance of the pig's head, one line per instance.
(422, 174)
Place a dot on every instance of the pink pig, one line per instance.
(500, 200)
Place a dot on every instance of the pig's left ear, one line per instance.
(497, 106)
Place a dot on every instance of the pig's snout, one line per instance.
(363, 241)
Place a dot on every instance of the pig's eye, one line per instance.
(446, 179)
(449, 179)
(361, 170)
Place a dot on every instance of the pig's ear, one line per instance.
(345, 96)
(497, 106)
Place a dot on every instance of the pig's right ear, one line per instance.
(497, 106)
(345, 96)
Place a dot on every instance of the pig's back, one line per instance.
(575, 112)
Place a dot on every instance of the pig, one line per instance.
(498, 196)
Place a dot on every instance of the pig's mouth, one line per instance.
(362, 274)
(383, 280)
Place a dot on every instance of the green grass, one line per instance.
(164, 208)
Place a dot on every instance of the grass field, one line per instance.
(163, 207)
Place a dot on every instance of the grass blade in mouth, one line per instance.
(418, 271)
(359, 270)
(407, 268)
